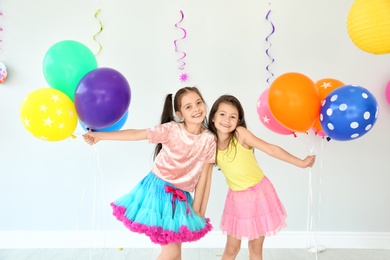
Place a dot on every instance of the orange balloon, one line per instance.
(325, 86)
(317, 125)
(294, 101)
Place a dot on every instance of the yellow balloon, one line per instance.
(49, 114)
(368, 25)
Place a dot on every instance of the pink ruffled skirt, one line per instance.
(254, 212)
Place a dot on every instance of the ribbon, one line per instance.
(267, 50)
(1, 29)
(100, 30)
(177, 194)
(183, 76)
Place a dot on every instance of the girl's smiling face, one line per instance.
(192, 108)
(226, 118)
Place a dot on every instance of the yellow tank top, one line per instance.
(239, 166)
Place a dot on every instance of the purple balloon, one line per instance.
(102, 97)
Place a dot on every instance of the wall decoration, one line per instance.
(182, 54)
(3, 68)
(368, 25)
(3, 72)
(1, 30)
(269, 46)
(100, 30)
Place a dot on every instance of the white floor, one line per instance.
(189, 254)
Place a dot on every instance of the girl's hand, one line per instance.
(91, 138)
(309, 161)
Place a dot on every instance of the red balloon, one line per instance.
(294, 101)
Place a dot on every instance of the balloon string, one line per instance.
(310, 206)
(97, 196)
(99, 176)
(100, 30)
(269, 46)
(181, 61)
(314, 199)
(82, 199)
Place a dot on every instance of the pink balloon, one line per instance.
(387, 92)
(267, 118)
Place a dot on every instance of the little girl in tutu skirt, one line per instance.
(252, 208)
(161, 205)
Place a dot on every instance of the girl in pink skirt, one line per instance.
(252, 208)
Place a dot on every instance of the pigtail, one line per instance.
(166, 116)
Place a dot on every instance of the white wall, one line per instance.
(66, 186)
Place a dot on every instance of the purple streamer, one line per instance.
(1, 29)
(270, 45)
(183, 76)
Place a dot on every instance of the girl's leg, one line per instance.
(255, 247)
(170, 252)
(232, 248)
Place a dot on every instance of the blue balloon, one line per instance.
(114, 127)
(348, 113)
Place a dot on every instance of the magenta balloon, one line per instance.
(387, 92)
(102, 97)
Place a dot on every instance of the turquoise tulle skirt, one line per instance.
(160, 211)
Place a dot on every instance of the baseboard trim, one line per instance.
(215, 239)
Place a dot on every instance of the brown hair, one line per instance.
(231, 100)
(170, 109)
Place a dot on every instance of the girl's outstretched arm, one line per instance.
(202, 190)
(248, 139)
(121, 135)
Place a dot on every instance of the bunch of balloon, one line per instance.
(266, 117)
(102, 99)
(348, 113)
(49, 113)
(294, 101)
(324, 86)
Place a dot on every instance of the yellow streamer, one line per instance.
(100, 30)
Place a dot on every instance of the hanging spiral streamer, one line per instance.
(183, 76)
(1, 30)
(267, 50)
(100, 30)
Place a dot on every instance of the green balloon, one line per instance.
(66, 63)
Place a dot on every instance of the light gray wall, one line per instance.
(67, 185)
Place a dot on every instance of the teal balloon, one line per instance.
(66, 63)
